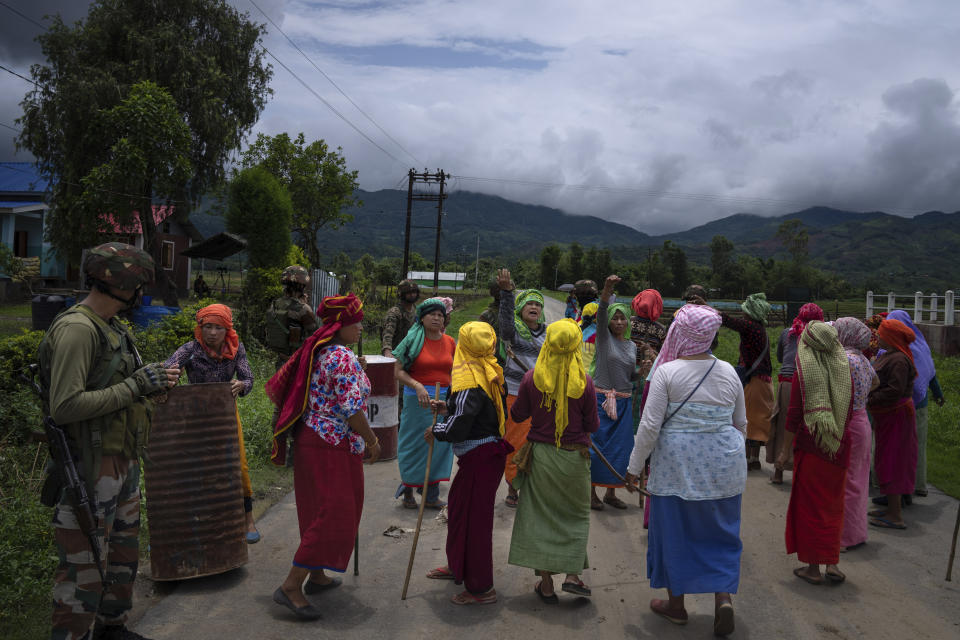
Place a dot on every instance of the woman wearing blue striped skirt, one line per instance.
(693, 428)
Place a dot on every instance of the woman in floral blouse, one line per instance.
(217, 355)
(321, 394)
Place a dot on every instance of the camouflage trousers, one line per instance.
(79, 598)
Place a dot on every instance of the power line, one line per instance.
(11, 127)
(22, 77)
(100, 189)
(331, 107)
(330, 80)
(699, 197)
(24, 16)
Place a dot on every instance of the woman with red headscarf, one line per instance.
(787, 355)
(321, 395)
(216, 355)
(894, 422)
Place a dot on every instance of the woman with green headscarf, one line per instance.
(820, 410)
(757, 371)
(614, 368)
(522, 333)
(424, 360)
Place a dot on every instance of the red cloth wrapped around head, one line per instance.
(648, 304)
(808, 312)
(897, 335)
(289, 386)
(218, 314)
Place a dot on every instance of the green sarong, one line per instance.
(552, 523)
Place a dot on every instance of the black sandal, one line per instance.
(550, 599)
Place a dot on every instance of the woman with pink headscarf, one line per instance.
(787, 355)
(693, 427)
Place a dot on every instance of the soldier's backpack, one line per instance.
(284, 328)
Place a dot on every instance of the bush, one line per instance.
(260, 288)
(16, 353)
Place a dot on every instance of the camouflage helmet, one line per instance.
(585, 290)
(407, 286)
(695, 290)
(295, 274)
(119, 265)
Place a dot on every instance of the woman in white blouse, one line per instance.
(693, 427)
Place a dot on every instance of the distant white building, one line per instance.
(446, 279)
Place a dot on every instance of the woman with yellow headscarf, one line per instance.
(553, 519)
(475, 427)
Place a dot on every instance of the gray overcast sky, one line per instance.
(683, 112)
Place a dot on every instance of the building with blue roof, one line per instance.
(22, 210)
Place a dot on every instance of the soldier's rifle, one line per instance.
(70, 478)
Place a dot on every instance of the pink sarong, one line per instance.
(857, 493)
(896, 454)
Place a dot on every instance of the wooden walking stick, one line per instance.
(953, 547)
(423, 502)
(356, 540)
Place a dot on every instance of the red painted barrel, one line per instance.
(382, 407)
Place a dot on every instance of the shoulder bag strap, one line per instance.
(690, 395)
(756, 363)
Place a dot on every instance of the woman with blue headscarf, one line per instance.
(926, 379)
(424, 360)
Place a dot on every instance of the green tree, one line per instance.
(150, 156)
(721, 261)
(574, 267)
(320, 185)
(259, 209)
(549, 265)
(204, 53)
(794, 239)
(675, 258)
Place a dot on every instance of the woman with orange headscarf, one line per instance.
(321, 397)
(894, 422)
(216, 355)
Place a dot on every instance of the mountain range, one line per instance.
(872, 249)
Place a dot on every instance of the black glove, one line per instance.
(148, 379)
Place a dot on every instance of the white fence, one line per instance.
(322, 284)
(932, 308)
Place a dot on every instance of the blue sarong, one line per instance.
(694, 546)
(412, 448)
(614, 438)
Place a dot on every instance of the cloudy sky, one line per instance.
(661, 115)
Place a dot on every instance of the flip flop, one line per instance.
(410, 504)
(439, 504)
(308, 612)
(465, 597)
(577, 588)
(440, 573)
(596, 505)
(550, 599)
(854, 547)
(614, 502)
(510, 501)
(883, 523)
(877, 513)
(311, 587)
(803, 576)
(253, 537)
(835, 577)
(676, 617)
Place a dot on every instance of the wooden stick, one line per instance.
(619, 477)
(356, 541)
(423, 502)
(953, 547)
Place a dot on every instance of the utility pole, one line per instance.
(476, 269)
(426, 178)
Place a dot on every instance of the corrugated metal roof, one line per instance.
(21, 177)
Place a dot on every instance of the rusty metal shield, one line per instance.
(194, 494)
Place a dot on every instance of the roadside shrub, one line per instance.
(16, 352)
(260, 288)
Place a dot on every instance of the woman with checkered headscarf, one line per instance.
(693, 430)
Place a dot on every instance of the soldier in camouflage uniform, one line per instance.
(301, 322)
(400, 318)
(96, 389)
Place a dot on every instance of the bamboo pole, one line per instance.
(423, 502)
(953, 547)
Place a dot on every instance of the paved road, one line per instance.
(895, 587)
